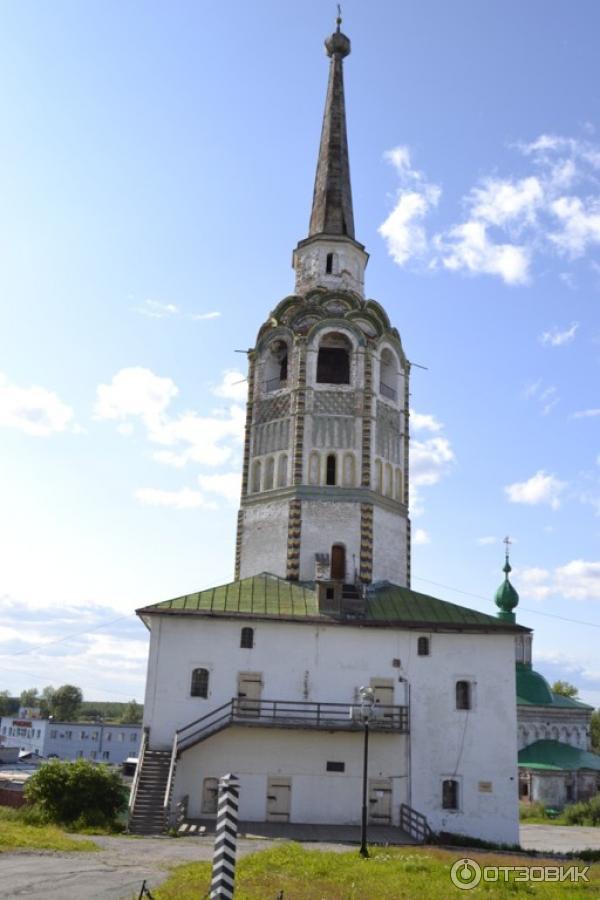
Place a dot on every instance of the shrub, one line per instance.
(585, 813)
(532, 811)
(76, 792)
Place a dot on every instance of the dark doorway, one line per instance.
(338, 562)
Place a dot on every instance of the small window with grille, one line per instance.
(463, 695)
(333, 766)
(423, 646)
(247, 638)
(199, 686)
(449, 794)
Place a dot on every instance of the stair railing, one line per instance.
(415, 823)
(172, 765)
(138, 770)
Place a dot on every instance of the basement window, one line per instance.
(247, 638)
(463, 695)
(199, 686)
(449, 794)
(333, 766)
(423, 646)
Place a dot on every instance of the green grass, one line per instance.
(535, 814)
(399, 873)
(18, 834)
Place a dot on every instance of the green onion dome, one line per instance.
(506, 596)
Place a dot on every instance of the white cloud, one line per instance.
(34, 410)
(203, 317)
(540, 488)
(424, 422)
(586, 414)
(403, 230)
(233, 386)
(138, 394)
(157, 310)
(184, 498)
(227, 485)
(430, 460)
(545, 397)
(579, 580)
(421, 537)
(487, 541)
(552, 209)
(468, 246)
(555, 338)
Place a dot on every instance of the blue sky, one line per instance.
(156, 171)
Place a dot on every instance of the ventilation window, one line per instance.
(423, 646)
(329, 593)
(450, 794)
(333, 766)
(333, 362)
(199, 683)
(329, 264)
(247, 638)
(463, 695)
(331, 467)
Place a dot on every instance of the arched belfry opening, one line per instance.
(276, 366)
(333, 361)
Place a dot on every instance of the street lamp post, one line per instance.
(367, 700)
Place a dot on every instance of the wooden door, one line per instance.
(249, 693)
(383, 694)
(338, 563)
(210, 795)
(380, 801)
(279, 796)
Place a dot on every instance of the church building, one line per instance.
(263, 676)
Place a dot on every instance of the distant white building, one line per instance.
(71, 740)
(261, 676)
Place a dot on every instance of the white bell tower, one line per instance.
(325, 482)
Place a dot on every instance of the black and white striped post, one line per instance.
(223, 871)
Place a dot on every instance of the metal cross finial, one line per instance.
(339, 17)
(507, 541)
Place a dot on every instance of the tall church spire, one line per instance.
(332, 199)
(331, 257)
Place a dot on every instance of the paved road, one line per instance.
(116, 872)
(559, 838)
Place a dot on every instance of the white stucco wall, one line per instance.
(329, 663)
(389, 546)
(264, 539)
(325, 524)
(317, 796)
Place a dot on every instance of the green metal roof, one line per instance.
(555, 756)
(268, 596)
(534, 690)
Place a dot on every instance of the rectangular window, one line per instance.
(199, 686)
(333, 766)
(121, 738)
(94, 735)
(450, 794)
(109, 736)
(105, 754)
(463, 695)
(54, 733)
(69, 735)
(133, 737)
(82, 735)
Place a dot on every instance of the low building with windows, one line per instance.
(262, 676)
(71, 740)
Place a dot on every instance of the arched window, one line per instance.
(463, 695)
(349, 477)
(282, 470)
(199, 686)
(269, 473)
(247, 638)
(449, 794)
(313, 468)
(330, 473)
(388, 375)
(389, 480)
(333, 361)
(423, 646)
(276, 366)
(379, 476)
(399, 494)
(256, 467)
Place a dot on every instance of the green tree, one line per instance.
(65, 702)
(565, 688)
(132, 714)
(29, 697)
(66, 792)
(595, 730)
(5, 704)
(46, 701)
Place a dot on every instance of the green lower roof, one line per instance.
(558, 757)
(268, 596)
(534, 690)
